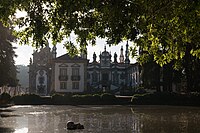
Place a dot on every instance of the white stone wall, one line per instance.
(69, 81)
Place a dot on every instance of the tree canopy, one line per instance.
(162, 28)
(8, 70)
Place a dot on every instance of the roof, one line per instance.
(68, 57)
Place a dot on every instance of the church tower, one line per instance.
(121, 58)
(127, 61)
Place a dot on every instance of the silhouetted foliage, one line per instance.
(8, 70)
(5, 98)
(165, 27)
(168, 31)
(167, 98)
(69, 99)
(27, 99)
(23, 75)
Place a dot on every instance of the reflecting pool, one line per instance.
(100, 119)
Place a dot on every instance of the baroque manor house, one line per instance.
(106, 75)
(48, 73)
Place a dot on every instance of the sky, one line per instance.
(24, 52)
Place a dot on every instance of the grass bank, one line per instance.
(68, 99)
(167, 98)
(158, 98)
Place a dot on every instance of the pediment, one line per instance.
(63, 65)
(75, 65)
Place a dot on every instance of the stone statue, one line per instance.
(31, 61)
(115, 57)
(94, 57)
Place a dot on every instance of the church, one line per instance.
(51, 74)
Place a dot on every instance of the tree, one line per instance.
(58, 19)
(166, 28)
(191, 70)
(7, 65)
(162, 24)
(151, 75)
(23, 75)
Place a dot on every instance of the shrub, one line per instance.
(82, 99)
(27, 99)
(5, 98)
(166, 98)
(58, 99)
(67, 99)
(108, 98)
(96, 98)
(140, 98)
(68, 95)
(93, 99)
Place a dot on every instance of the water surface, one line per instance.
(100, 119)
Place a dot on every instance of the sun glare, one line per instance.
(21, 130)
(20, 14)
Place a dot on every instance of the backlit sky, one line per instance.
(24, 52)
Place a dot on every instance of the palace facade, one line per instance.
(40, 71)
(48, 73)
(107, 75)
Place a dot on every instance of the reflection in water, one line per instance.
(22, 130)
(166, 119)
(106, 119)
(6, 130)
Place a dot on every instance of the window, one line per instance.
(63, 71)
(75, 74)
(75, 85)
(105, 77)
(94, 77)
(75, 71)
(63, 85)
(116, 78)
(63, 74)
(88, 75)
(136, 79)
(122, 76)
